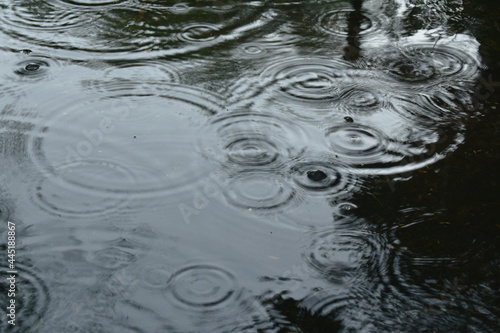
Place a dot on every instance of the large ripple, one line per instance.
(149, 137)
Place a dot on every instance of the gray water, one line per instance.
(249, 166)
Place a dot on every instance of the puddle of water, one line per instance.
(247, 167)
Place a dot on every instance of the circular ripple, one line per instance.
(361, 100)
(81, 189)
(154, 135)
(342, 256)
(306, 79)
(31, 296)
(321, 178)
(429, 62)
(336, 22)
(252, 139)
(252, 50)
(252, 152)
(140, 72)
(259, 191)
(317, 89)
(204, 286)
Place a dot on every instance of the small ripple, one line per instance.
(252, 152)
(306, 79)
(356, 142)
(252, 50)
(322, 178)
(252, 139)
(259, 191)
(32, 299)
(361, 99)
(205, 287)
(336, 22)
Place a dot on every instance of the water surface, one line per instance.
(250, 166)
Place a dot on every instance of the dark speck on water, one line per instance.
(361, 135)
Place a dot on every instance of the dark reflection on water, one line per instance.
(250, 166)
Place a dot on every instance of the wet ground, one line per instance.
(250, 166)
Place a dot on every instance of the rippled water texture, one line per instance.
(247, 166)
